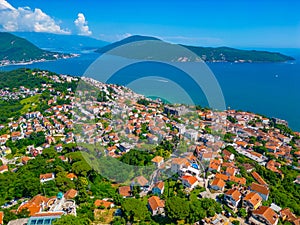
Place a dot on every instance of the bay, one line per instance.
(271, 89)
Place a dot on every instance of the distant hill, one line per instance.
(127, 40)
(14, 50)
(60, 42)
(208, 54)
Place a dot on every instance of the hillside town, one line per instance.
(228, 167)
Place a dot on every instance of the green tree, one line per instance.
(177, 208)
(67, 220)
(134, 209)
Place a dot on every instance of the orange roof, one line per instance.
(241, 143)
(104, 203)
(46, 176)
(258, 178)
(155, 203)
(3, 168)
(1, 217)
(180, 161)
(289, 216)
(25, 159)
(259, 188)
(218, 182)
(239, 180)
(230, 170)
(16, 134)
(267, 213)
(190, 179)
(71, 176)
(125, 191)
(222, 176)
(45, 214)
(34, 205)
(160, 185)
(253, 198)
(214, 164)
(70, 194)
(235, 194)
(141, 180)
(157, 159)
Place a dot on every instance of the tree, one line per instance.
(196, 211)
(177, 208)
(236, 222)
(134, 209)
(243, 212)
(67, 220)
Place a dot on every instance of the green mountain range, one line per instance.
(15, 50)
(60, 42)
(144, 47)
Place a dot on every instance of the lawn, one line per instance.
(29, 104)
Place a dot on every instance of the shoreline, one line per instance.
(72, 55)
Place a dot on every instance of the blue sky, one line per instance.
(210, 23)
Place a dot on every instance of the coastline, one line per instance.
(20, 63)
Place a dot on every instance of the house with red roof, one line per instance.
(264, 215)
(217, 184)
(252, 201)
(156, 205)
(189, 181)
(103, 203)
(47, 177)
(3, 168)
(125, 191)
(158, 188)
(262, 190)
(232, 198)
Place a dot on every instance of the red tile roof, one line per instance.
(259, 188)
(104, 203)
(1, 217)
(190, 179)
(125, 191)
(253, 198)
(155, 203)
(70, 194)
(267, 213)
(34, 205)
(218, 182)
(258, 178)
(235, 194)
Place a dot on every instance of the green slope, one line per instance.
(14, 49)
(141, 47)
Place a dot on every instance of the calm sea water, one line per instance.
(271, 89)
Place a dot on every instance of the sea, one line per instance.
(270, 89)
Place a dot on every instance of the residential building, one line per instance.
(218, 184)
(47, 177)
(156, 205)
(125, 191)
(264, 215)
(262, 190)
(158, 188)
(189, 181)
(232, 198)
(158, 161)
(252, 201)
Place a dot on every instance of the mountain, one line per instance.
(140, 48)
(60, 42)
(14, 50)
(131, 39)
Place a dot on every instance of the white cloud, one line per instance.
(26, 19)
(82, 25)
